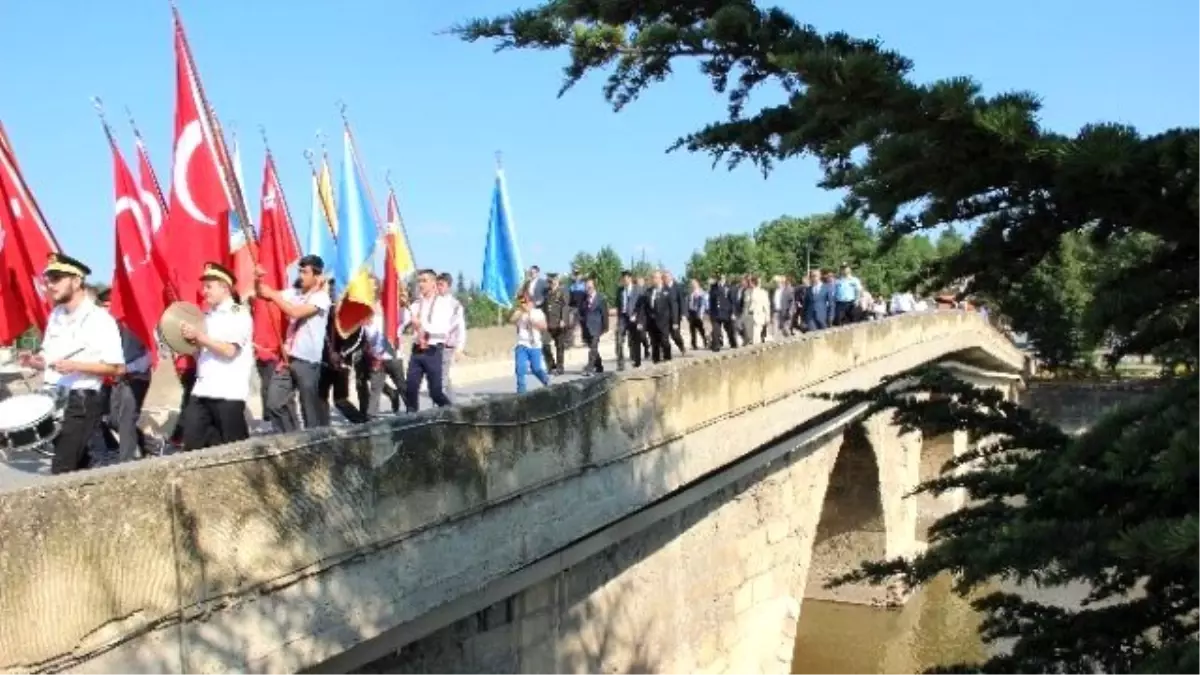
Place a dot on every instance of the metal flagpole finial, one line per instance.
(262, 131)
(499, 160)
(342, 111)
(98, 105)
(321, 140)
(387, 178)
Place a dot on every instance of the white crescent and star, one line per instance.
(150, 202)
(134, 206)
(189, 139)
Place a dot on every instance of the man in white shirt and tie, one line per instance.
(432, 318)
(81, 347)
(216, 411)
(456, 339)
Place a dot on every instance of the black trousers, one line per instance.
(186, 381)
(371, 381)
(660, 344)
(278, 405)
(677, 338)
(636, 337)
(81, 419)
(696, 327)
(843, 313)
(594, 364)
(337, 381)
(124, 409)
(723, 326)
(553, 349)
(427, 364)
(213, 421)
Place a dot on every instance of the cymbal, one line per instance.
(176, 315)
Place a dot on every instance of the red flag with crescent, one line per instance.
(270, 325)
(137, 290)
(155, 205)
(197, 216)
(28, 241)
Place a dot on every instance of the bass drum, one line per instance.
(29, 422)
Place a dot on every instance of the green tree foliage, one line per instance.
(604, 267)
(1113, 508)
(790, 245)
(1050, 303)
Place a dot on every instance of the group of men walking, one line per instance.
(97, 368)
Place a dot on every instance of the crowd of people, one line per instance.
(650, 314)
(101, 372)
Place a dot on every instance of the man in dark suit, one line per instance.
(627, 329)
(679, 297)
(818, 303)
(720, 312)
(593, 322)
(658, 315)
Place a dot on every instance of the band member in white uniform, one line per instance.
(81, 347)
(216, 410)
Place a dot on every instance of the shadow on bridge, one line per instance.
(380, 498)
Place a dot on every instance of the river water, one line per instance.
(935, 627)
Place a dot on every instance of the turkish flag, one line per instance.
(28, 242)
(14, 320)
(197, 220)
(137, 290)
(276, 252)
(151, 196)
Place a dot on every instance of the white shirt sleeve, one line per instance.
(321, 301)
(460, 327)
(235, 328)
(108, 336)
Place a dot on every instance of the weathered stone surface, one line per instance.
(1076, 405)
(277, 553)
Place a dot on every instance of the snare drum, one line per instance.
(29, 422)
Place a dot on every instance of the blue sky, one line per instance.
(434, 110)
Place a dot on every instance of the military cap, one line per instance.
(218, 272)
(59, 263)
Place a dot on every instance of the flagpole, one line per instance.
(169, 285)
(387, 179)
(137, 135)
(380, 232)
(279, 187)
(207, 111)
(308, 155)
(23, 187)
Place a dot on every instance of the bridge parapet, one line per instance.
(277, 553)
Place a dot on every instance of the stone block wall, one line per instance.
(714, 588)
(1076, 405)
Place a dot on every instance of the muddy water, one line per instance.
(935, 627)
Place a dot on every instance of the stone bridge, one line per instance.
(666, 519)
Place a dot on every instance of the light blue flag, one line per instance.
(320, 237)
(502, 270)
(357, 234)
